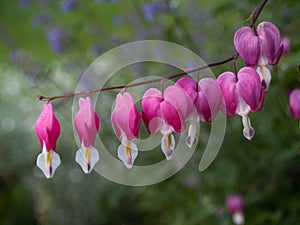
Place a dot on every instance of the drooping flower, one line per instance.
(243, 93)
(260, 50)
(87, 123)
(126, 121)
(235, 205)
(47, 129)
(294, 103)
(165, 113)
(206, 98)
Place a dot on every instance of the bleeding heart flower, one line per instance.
(47, 129)
(126, 121)
(260, 50)
(294, 103)
(206, 97)
(242, 93)
(165, 113)
(86, 123)
(235, 205)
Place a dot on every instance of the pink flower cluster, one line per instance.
(167, 112)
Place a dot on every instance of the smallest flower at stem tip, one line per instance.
(87, 124)
(294, 103)
(47, 129)
(126, 121)
(235, 205)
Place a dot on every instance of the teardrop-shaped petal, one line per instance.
(189, 85)
(227, 82)
(270, 40)
(182, 103)
(47, 128)
(248, 130)
(171, 116)
(125, 117)
(209, 99)
(86, 122)
(249, 87)
(151, 110)
(48, 161)
(294, 103)
(128, 152)
(168, 145)
(87, 157)
(191, 139)
(246, 44)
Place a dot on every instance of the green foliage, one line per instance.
(266, 171)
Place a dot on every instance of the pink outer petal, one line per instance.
(151, 110)
(209, 99)
(250, 88)
(247, 45)
(227, 82)
(270, 41)
(179, 99)
(125, 117)
(171, 116)
(189, 85)
(86, 122)
(47, 127)
(294, 103)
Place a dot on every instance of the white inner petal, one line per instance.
(127, 152)
(168, 145)
(87, 157)
(48, 162)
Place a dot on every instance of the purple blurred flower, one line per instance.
(96, 49)
(150, 9)
(24, 3)
(41, 20)
(58, 39)
(294, 103)
(235, 205)
(68, 5)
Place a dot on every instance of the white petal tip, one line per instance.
(190, 142)
(248, 133)
(169, 154)
(48, 162)
(127, 153)
(87, 157)
(128, 166)
(168, 145)
(238, 218)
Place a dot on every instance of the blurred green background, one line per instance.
(45, 46)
